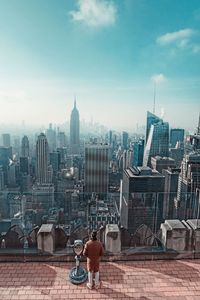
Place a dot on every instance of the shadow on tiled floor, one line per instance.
(21, 275)
(176, 269)
(112, 293)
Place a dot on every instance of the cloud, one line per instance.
(185, 39)
(159, 78)
(95, 13)
(180, 38)
(183, 43)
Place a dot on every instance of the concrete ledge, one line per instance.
(108, 257)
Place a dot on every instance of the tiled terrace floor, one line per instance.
(121, 280)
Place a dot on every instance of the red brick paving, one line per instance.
(145, 280)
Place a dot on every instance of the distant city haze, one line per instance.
(114, 57)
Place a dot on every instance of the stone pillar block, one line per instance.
(112, 238)
(195, 226)
(46, 238)
(174, 235)
(189, 240)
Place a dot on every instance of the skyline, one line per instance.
(108, 54)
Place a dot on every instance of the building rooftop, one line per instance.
(161, 158)
(150, 280)
(135, 172)
(46, 228)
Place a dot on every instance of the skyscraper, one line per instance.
(74, 131)
(138, 152)
(170, 192)
(176, 135)
(157, 142)
(25, 147)
(6, 139)
(96, 168)
(24, 165)
(55, 160)
(127, 159)
(151, 119)
(42, 157)
(189, 182)
(177, 153)
(5, 156)
(13, 174)
(125, 140)
(110, 135)
(62, 142)
(5, 159)
(51, 138)
(195, 138)
(141, 198)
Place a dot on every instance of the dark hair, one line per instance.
(94, 235)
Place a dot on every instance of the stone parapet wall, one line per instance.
(181, 235)
(108, 257)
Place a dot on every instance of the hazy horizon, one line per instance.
(107, 54)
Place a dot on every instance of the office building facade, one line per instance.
(188, 184)
(96, 168)
(170, 192)
(42, 159)
(125, 140)
(176, 135)
(160, 163)
(140, 201)
(138, 153)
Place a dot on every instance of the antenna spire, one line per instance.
(154, 97)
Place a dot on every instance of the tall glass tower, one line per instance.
(74, 131)
(151, 119)
(42, 157)
(157, 142)
(176, 135)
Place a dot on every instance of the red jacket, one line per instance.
(93, 250)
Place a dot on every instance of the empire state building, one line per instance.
(74, 131)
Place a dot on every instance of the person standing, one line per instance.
(93, 250)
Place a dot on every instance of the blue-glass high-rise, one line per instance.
(151, 119)
(138, 152)
(125, 140)
(157, 141)
(176, 135)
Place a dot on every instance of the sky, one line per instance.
(112, 56)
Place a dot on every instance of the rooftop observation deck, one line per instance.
(160, 279)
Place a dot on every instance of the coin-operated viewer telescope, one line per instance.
(78, 274)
